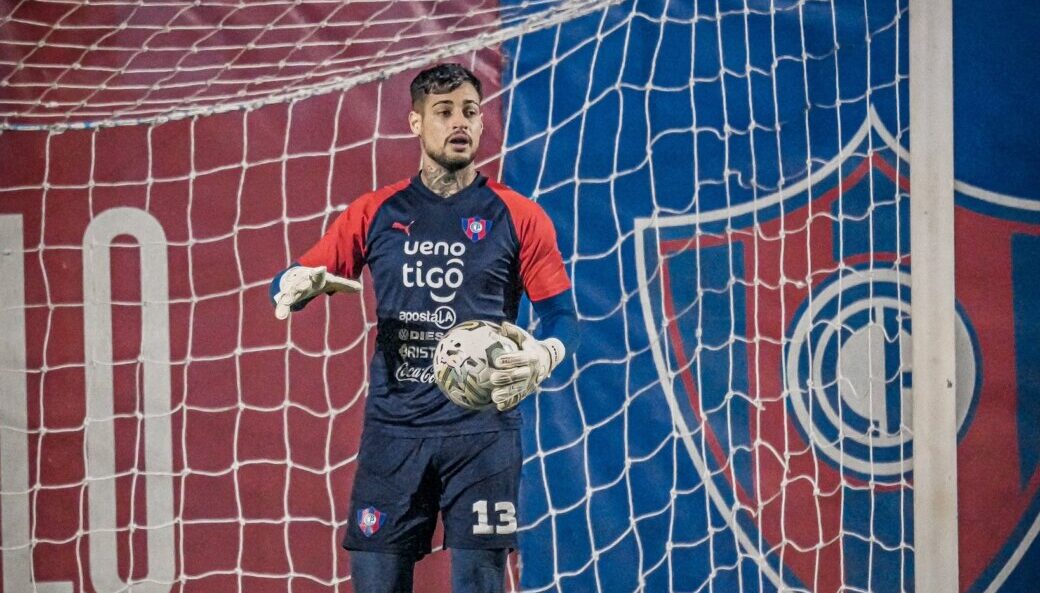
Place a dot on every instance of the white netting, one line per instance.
(100, 63)
(728, 184)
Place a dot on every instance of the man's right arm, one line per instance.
(329, 266)
(334, 263)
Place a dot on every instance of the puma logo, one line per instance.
(405, 228)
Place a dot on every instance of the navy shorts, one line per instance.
(402, 483)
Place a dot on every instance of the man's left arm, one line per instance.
(546, 283)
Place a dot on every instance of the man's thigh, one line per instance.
(393, 504)
(481, 475)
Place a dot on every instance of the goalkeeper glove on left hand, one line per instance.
(518, 374)
(301, 283)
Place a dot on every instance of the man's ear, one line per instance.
(415, 122)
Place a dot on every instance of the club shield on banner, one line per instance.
(782, 335)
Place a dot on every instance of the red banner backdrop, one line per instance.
(264, 416)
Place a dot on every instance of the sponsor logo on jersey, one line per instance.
(413, 351)
(786, 363)
(418, 335)
(407, 371)
(404, 228)
(370, 520)
(443, 317)
(476, 228)
(436, 266)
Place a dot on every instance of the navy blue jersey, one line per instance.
(437, 262)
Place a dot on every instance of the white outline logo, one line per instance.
(860, 417)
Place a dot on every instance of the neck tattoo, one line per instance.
(446, 183)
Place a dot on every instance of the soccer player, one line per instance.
(446, 246)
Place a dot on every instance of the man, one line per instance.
(446, 246)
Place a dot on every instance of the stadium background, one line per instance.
(602, 125)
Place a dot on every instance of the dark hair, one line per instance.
(440, 79)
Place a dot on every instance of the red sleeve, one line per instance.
(343, 248)
(541, 265)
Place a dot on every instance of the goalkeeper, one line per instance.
(446, 246)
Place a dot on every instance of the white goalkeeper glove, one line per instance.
(519, 373)
(300, 283)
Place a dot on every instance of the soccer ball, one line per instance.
(464, 359)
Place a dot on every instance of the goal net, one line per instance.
(729, 185)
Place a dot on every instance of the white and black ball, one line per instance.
(464, 360)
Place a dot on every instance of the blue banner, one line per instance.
(730, 184)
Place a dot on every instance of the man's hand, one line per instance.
(300, 283)
(519, 373)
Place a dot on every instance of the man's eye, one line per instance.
(471, 113)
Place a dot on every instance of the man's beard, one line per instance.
(449, 162)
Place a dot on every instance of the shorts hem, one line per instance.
(418, 433)
(487, 546)
(400, 550)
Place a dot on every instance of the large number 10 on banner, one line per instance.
(100, 396)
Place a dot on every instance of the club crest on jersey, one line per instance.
(370, 520)
(784, 354)
(476, 228)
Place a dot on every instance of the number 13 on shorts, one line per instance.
(505, 519)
